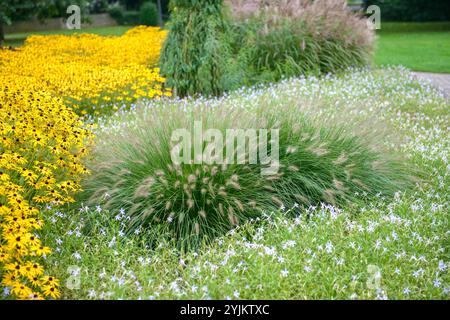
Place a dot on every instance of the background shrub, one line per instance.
(124, 17)
(289, 38)
(192, 203)
(209, 51)
(412, 10)
(148, 14)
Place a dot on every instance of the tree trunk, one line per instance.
(2, 34)
(160, 15)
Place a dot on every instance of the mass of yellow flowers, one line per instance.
(43, 85)
(89, 71)
(42, 143)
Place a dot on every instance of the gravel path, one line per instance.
(440, 80)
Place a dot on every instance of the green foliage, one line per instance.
(17, 10)
(208, 52)
(412, 10)
(196, 55)
(320, 254)
(285, 42)
(148, 14)
(195, 203)
(11, 10)
(124, 17)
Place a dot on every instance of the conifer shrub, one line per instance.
(196, 55)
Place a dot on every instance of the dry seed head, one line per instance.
(159, 173)
(168, 205)
(239, 205)
(118, 183)
(222, 191)
(231, 216)
(142, 191)
(319, 151)
(192, 178)
(221, 208)
(293, 168)
(233, 184)
(189, 203)
(202, 214)
(328, 194)
(339, 185)
(301, 198)
(341, 159)
(290, 150)
(164, 182)
(197, 228)
(214, 171)
(305, 136)
(134, 208)
(277, 201)
(348, 174)
(272, 178)
(147, 212)
(211, 189)
(268, 187)
(252, 204)
(377, 165)
(203, 191)
(360, 184)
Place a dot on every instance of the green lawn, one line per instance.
(17, 39)
(417, 46)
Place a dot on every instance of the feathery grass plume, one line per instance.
(321, 160)
(285, 38)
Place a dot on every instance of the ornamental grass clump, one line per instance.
(285, 38)
(319, 162)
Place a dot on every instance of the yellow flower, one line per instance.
(22, 291)
(51, 291)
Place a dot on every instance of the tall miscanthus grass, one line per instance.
(284, 38)
(322, 160)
